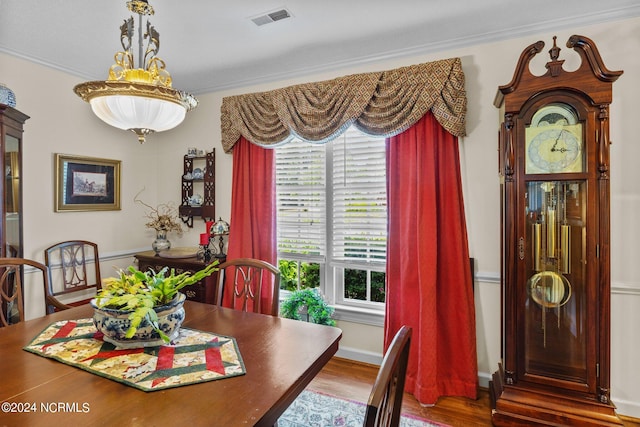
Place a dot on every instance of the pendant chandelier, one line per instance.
(138, 99)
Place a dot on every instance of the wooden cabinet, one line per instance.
(555, 270)
(11, 129)
(203, 185)
(203, 291)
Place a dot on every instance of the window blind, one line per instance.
(301, 197)
(359, 199)
(347, 204)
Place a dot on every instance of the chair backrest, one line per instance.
(11, 288)
(248, 277)
(385, 401)
(74, 269)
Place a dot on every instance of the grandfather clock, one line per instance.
(554, 170)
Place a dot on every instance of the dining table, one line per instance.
(281, 357)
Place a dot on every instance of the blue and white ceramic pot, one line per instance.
(161, 243)
(114, 324)
(7, 97)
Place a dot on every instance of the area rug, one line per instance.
(314, 409)
(193, 357)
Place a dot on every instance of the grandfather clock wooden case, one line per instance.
(554, 170)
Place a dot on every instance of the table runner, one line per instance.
(193, 357)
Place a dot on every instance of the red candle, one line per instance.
(208, 226)
(204, 238)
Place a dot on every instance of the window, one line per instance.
(332, 218)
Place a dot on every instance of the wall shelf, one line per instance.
(204, 186)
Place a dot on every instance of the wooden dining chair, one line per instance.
(243, 279)
(11, 287)
(74, 274)
(385, 400)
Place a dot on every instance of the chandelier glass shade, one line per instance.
(138, 99)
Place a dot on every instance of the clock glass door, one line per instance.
(555, 294)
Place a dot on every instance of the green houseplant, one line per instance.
(136, 298)
(317, 308)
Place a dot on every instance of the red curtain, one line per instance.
(252, 226)
(429, 283)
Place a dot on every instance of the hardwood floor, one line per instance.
(353, 380)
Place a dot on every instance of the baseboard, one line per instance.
(483, 379)
(630, 410)
(363, 356)
(372, 358)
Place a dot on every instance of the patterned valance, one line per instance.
(380, 103)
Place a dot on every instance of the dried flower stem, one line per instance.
(162, 218)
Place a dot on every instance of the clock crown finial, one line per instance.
(554, 66)
(554, 52)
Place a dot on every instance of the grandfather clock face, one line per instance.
(554, 141)
(555, 329)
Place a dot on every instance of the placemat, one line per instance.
(193, 357)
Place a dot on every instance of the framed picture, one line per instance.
(86, 184)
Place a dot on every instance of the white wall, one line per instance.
(62, 123)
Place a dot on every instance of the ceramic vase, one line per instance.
(114, 323)
(161, 243)
(7, 96)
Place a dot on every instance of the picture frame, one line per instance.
(86, 183)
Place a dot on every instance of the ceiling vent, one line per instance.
(270, 17)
